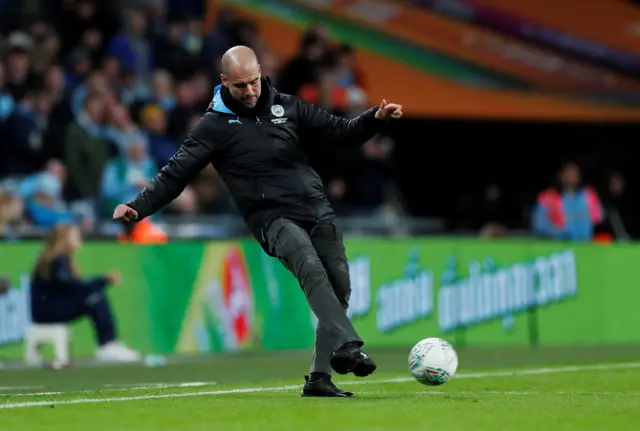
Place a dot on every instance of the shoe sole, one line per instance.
(344, 364)
(326, 396)
(364, 370)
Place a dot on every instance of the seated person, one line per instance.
(59, 295)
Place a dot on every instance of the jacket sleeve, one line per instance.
(315, 121)
(191, 158)
(61, 272)
(542, 225)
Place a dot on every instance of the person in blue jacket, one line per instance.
(60, 295)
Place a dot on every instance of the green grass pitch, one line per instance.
(590, 389)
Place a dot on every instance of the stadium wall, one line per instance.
(214, 297)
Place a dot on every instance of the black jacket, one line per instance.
(259, 155)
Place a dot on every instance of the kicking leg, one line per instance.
(292, 245)
(328, 241)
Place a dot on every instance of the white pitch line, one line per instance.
(453, 393)
(485, 393)
(141, 386)
(39, 394)
(515, 373)
(112, 388)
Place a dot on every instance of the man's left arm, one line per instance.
(318, 122)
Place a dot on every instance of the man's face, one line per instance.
(43, 104)
(570, 176)
(244, 85)
(18, 64)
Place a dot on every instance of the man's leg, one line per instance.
(328, 242)
(293, 246)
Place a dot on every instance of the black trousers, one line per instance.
(315, 254)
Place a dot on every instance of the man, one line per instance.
(251, 134)
(570, 210)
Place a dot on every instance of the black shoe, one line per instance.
(322, 386)
(349, 358)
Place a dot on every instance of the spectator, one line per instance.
(79, 66)
(131, 89)
(172, 56)
(325, 92)
(86, 150)
(25, 130)
(163, 93)
(61, 114)
(218, 40)
(366, 175)
(60, 295)
(183, 111)
(96, 82)
(81, 16)
(46, 51)
(131, 47)
(127, 174)
(54, 81)
(112, 71)
(28, 186)
(569, 211)
(347, 74)
(122, 130)
(91, 45)
(18, 79)
(621, 208)
(38, 29)
(202, 90)
(301, 70)
(192, 38)
(46, 208)
(161, 147)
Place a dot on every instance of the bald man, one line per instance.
(252, 135)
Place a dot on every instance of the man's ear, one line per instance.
(224, 80)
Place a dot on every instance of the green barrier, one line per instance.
(181, 298)
(482, 293)
(224, 296)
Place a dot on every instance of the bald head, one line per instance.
(238, 59)
(241, 75)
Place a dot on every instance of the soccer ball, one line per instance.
(433, 361)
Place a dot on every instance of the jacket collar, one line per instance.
(218, 103)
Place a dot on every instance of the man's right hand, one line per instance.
(125, 213)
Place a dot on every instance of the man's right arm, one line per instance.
(192, 157)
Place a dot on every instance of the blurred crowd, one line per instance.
(94, 100)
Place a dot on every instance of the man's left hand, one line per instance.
(388, 110)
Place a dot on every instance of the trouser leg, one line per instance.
(295, 249)
(328, 242)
